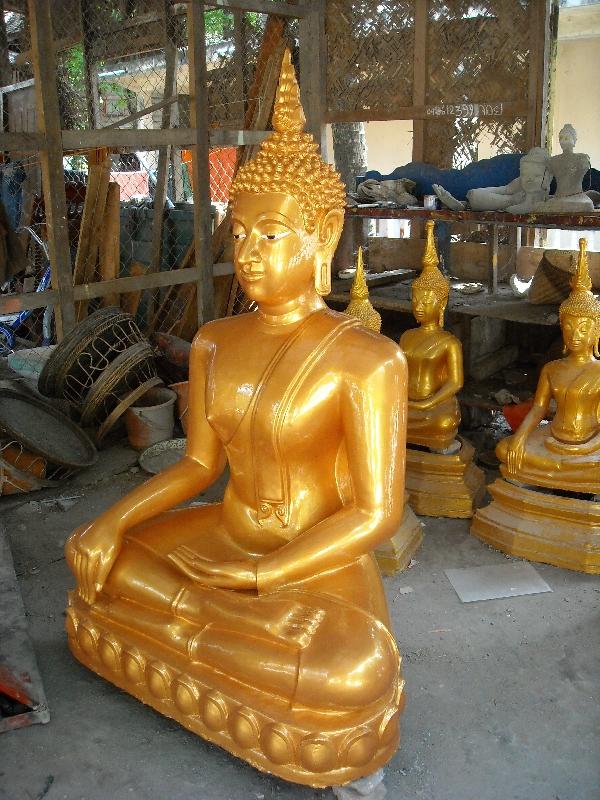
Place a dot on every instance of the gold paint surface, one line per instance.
(434, 356)
(563, 455)
(360, 306)
(444, 485)
(260, 623)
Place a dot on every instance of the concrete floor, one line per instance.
(503, 695)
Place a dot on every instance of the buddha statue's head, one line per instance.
(533, 170)
(287, 208)
(431, 289)
(567, 138)
(580, 313)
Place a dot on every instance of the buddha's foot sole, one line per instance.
(541, 526)
(395, 554)
(444, 485)
(312, 747)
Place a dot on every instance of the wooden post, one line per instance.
(493, 259)
(313, 69)
(91, 76)
(5, 67)
(51, 160)
(200, 162)
(164, 153)
(420, 76)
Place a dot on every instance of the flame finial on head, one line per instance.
(360, 306)
(288, 161)
(288, 114)
(581, 301)
(431, 278)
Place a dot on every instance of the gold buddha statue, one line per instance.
(441, 479)
(434, 356)
(260, 623)
(395, 554)
(360, 306)
(545, 506)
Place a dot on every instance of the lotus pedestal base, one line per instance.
(318, 748)
(395, 554)
(444, 485)
(541, 526)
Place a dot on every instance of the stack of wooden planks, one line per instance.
(97, 254)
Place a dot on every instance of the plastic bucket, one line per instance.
(181, 390)
(151, 419)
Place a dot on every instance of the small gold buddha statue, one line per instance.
(395, 554)
(360, 306)
(434, 356)
(441, 478)
(545, 506)
(260, 623)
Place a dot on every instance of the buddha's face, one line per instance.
(567, 140)
(533, 175)
(274, 253)
(426, 306)
(579, 333)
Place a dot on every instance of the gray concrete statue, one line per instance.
(569, 170)
(520, 196)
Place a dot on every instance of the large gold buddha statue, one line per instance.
(260, 622)
(441, 479)
(546, 505)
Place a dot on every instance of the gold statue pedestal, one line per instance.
(444, 485)
(541, 526)
(395, 555)
(320, 748)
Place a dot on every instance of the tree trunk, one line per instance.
(350, 151)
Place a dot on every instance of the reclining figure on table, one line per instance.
(520, 196)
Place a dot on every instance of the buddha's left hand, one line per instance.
(222, 574)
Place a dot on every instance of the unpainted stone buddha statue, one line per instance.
(546, 507)
(520, 196)
(434, 356)
(569, 169)
(260, 622)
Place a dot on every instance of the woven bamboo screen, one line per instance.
(461, 69)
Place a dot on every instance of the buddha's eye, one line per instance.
(239, 236)
(274, 236)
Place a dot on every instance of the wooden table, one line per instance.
(445, 218)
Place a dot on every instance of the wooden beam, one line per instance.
(51, 160)
(260, 6)
(420, 77)
(135, 139)
(200, 162)
(22, 142)
(477, 108)
(59, 44)
(142, 113)
(312, 68)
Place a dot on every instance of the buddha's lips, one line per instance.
(252, 275)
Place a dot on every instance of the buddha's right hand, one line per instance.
(514, 454)
(91, 552)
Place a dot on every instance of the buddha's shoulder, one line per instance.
(223, 329)
(366, 351)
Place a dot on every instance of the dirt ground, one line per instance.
(503, 695)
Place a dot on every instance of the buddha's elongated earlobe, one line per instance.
(442, 314)
(322, 275)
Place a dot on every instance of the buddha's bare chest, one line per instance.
(249, 397)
